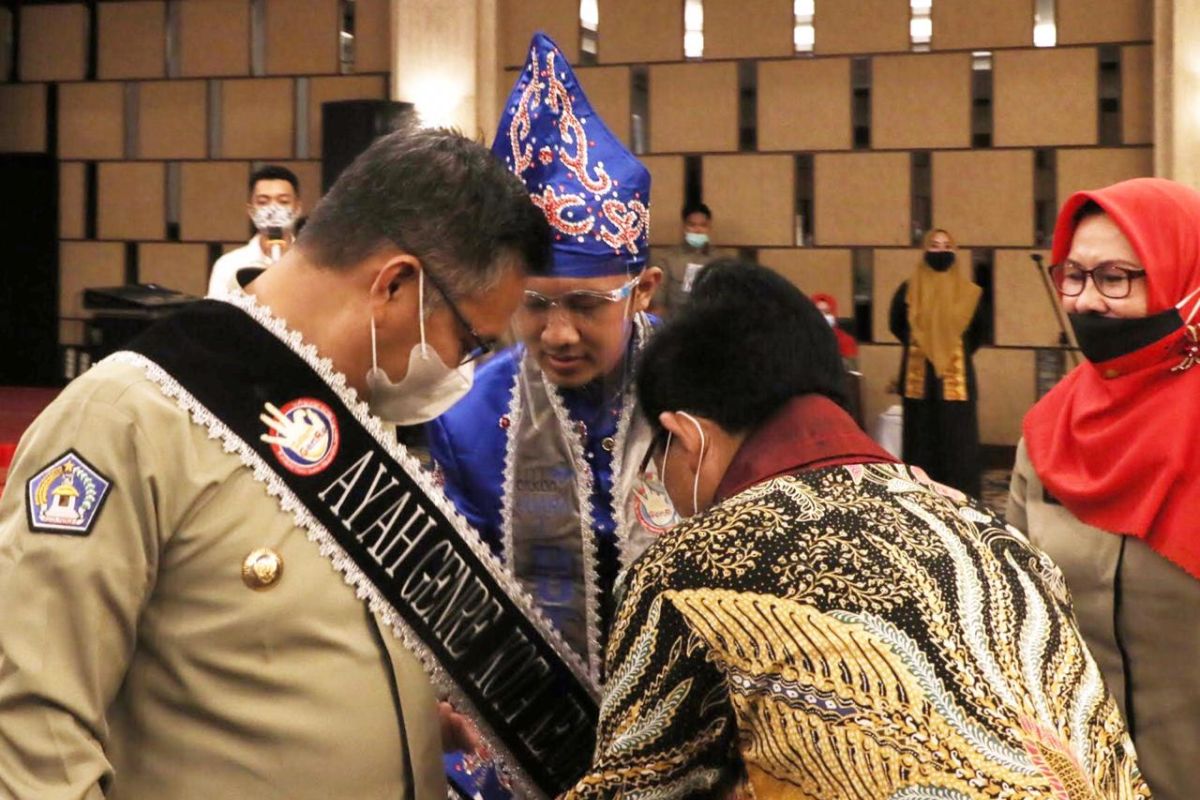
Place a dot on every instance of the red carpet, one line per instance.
(19, 405)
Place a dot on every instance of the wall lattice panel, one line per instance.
(132, 43)
(637, 31)
(804, 105)
(825, 270)
(862, 199)
(984, 197)
(921, 101)
(753, 198)
(981, 24)
(54, 42)
(1046, 96)
(693, 107)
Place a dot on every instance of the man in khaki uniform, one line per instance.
(167, 630)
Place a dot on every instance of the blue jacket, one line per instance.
(469, 442)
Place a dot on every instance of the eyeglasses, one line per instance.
(657, 444)
(581, 303)
(480, 346)
(1113, 279)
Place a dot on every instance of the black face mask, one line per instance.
(1104, 338)
(939, 260)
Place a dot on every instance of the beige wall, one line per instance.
(1046, 96)
(22, 124)
(879, 364)
(257, 123)
(920, 101)
(984, 197)
(1092, 168)
(1044, 100)
(747, 28)
(666, 198)
(981, 24)
(752, 198)
(1176, 91)
(859, 198)
(693, 107)
(815, 271)
(862, 26)
(608, 90)
(804, 105)
(1025, 315)
(638, 31)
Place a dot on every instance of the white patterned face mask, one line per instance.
(273, 215)
(428, 389)
(699, 466)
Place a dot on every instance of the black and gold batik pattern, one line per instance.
(853, 632)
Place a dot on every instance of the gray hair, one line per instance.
(439, 196)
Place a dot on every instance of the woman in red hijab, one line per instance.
(827, 305)
(1107, 479)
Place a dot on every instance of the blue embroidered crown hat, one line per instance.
(594, 192)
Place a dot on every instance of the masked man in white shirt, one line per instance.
(274, 207)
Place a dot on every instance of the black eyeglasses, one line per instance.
(480, 346)
(1113, 279)
(657, 443)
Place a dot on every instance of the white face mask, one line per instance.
(696, 480)
(273, 215)
(427, 390)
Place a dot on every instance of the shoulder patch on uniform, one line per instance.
(66, 496)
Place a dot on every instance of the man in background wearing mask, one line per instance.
(541, 456)
(682, 263)
(828, 622)
(274, 208)
(196, 532)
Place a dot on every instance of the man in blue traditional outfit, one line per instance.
(543, 455)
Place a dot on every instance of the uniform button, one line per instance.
(608, 444)
(1112, 373)
(262, 569)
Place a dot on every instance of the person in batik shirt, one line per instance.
(828, 622)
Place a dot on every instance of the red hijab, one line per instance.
(847, 344)
(1118, 442)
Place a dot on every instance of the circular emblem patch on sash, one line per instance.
(303, 435)
(652, 505)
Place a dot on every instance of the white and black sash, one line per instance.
(378, 517)
(546, 501)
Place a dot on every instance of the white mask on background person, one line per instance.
(273, 215)
(696, 480)
(696, 240)
(427, 390)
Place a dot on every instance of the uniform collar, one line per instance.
(809, 432)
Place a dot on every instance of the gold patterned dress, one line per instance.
(854, 631)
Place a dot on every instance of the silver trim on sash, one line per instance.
(329, 548)
(529, 379)
(585, 484)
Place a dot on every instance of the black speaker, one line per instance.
(29, 255)
(349, 126)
